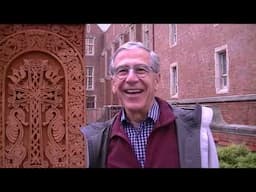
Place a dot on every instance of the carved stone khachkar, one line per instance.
(42, 100)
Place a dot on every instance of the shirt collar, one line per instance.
(152, 114)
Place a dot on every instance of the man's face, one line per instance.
(134, 87)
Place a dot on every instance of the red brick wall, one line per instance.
(238, 112)
(194, 53)
(99, 68)
(225, 139)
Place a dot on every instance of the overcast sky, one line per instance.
(104, 27)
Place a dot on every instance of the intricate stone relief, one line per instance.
(70, 32)
(43, 98)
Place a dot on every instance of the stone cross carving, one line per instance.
(35, 91)
(42, 99)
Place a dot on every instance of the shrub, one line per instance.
(236, 156)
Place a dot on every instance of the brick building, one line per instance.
(214, 65)
(94, 71)
(210, 64)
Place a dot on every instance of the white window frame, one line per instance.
(145, 35)
(90, 46)
(173, 35)
(121, 39)
(89, 78)
(219, 75)
(88, 28)
(174, 82)
(132, 33)
(107, 63)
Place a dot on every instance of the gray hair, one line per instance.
(154, 58)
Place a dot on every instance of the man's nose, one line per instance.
(131, 75)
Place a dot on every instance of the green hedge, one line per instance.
(236, 156)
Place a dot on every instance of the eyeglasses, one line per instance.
(140, 70)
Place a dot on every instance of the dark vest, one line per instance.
(188, 122)
(161, 150)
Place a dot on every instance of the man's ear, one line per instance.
(114, 86)
(157, 81)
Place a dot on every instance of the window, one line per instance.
(174, 80)
(114, 47)
(121, 39)
(145, 35)
(89, 78)
(88, 28)
(132, 32)
(107, 62)
(89, 45)
(221, 69)
(172, 34)
(90, 102)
